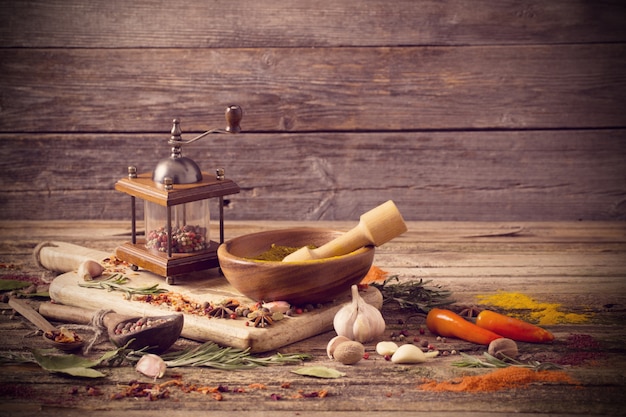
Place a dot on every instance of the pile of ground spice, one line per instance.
(375, 274)
(582, 348)
(544, 314)
(500, 379)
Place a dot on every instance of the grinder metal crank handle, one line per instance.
(377, 226)
(65, 257)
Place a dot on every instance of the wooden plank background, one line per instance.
(457, 110)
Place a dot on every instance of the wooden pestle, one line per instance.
(377, 226)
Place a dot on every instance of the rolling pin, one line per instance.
(65, 257)
(377, 226)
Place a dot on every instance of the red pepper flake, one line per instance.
(93, 391)
(257, 386)
(583, 348)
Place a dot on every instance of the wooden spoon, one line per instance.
(158, 337)
(50, 332)
(377, 226)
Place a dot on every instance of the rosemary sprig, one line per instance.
(414, 295)
(116, 282)
(490, 361)
(212, 355)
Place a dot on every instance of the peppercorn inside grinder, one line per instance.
(176, 209)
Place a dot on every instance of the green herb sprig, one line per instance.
(208, 354)
(490, 361)
(212, 355)
(414, 295)
(116, 282)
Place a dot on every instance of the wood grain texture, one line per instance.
(578, 265)
(323, 23)
(510, 176)
(310, 89)
(457, 110)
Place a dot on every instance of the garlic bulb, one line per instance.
(358, 320)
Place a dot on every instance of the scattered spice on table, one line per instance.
(375, 274)
(152, 391)
(544, 314)
(499, 379)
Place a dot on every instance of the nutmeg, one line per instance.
(502, 347)
(333, 343)
(349, 352)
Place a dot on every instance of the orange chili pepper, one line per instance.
(449, 324)
(512, 328)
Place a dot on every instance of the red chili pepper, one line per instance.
(449, 324)
(512, 328)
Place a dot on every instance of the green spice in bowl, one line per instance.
(299, 283)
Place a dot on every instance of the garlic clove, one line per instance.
(408, 354)
(151, 365)
(386, 348)
(277, 306)
(89, 269)
(333, 343)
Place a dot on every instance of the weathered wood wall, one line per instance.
(457, 110)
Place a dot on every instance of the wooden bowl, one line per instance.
(299, 283)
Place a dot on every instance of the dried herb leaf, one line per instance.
(319, 372)
(68, 364)
(413, 295)
(13, 284)
(212, 355)
(116, 282)
(489, 361)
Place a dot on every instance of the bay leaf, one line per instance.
(319, 372)
(13, 284)
(69, 364)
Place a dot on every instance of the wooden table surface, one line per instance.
(579, 265)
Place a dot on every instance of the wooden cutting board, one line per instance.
(206, 286)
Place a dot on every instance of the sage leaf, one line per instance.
(67, 364)
(319, 372)
(12, 284)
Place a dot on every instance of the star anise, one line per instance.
(223, 310)
(262, 318)
(220, 311)
(469, 311)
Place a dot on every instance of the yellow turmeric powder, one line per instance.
(544, 314)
